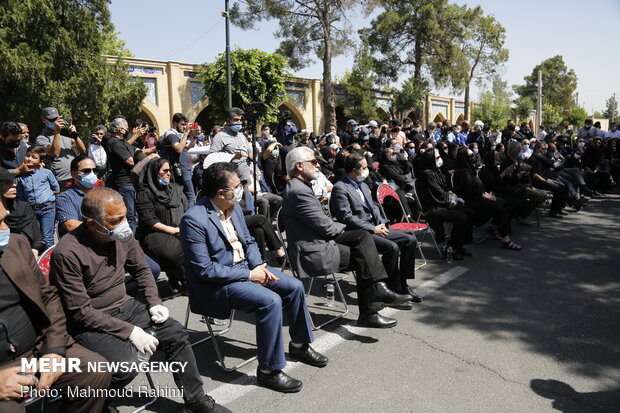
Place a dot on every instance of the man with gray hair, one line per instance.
(88, 268)
(317, 245)
(429, 132)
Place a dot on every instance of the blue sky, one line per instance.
(586, 34)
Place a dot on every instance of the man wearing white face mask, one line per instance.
(88, 268)
(352, 205)
(231, 140)
(224, 271)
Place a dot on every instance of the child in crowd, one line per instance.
(39, 187)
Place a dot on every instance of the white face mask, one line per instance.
(275, 153)
(121, 233)
(363, 176)
(237, 195)
(439, 162)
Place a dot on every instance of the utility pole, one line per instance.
(539, 117)
(228, 81)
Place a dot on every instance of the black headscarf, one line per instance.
(426, 160)
(463, 159)
(170, 196)
(22, 220)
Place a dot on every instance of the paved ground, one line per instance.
(530, 331)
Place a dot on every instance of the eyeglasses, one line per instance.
(87, 170)
(312, 161)
(166, 171)
(233, 189)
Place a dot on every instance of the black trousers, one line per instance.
(172, 338)
(263, 232)
(397, 243)
(462, 225)
(359, 253)
(166, 250)
(486, 209)
(560, 193)
(268, 204)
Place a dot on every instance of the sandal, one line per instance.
(511, 245)
(493, 233)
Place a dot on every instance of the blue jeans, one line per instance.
(46, 217)
(188, 188)
(128, 192)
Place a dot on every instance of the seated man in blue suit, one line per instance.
(351, 204)
(224, 270)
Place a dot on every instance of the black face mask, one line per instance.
(127, 135)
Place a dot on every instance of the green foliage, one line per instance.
(523, 108)
(410, 96)
(575, 116)
(559, 84)
(51, 55)
(611, 109)
(255, 76)
(493, 107)
(552, 116)
(307, 28)
(420, 37)
(358, 101)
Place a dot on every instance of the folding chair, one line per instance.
(339, 296)
(213, 337)
(44, 265)
(406, 224)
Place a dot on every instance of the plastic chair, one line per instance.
(44, 263)
(406, 224)
(339, 296)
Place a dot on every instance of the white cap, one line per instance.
(479, 123)
(373, 124)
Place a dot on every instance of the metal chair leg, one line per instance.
(211, 334)
(339, 313)
(153, 399)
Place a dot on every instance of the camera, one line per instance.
(176, 169)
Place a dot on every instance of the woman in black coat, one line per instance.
(160, 203)
(440, 205)
(485, 205)
(21, 218)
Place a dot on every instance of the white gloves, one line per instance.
(460, 200)
(143, 341)
(159, 313)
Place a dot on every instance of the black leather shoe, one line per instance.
(383, 295)
(308, 355)
(205, 405)
(414, 296)
(279, 381)
(376, 321)
(405, 306)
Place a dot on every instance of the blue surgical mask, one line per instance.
(163, 182)
(51, 125)
(5, 236)
(235, 127)
(88, 180)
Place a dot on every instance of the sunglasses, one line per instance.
(312, 161)
(166, 171)
(87, 170)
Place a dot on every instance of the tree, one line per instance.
(420, 37)
(359, 83)
(256, 76)
(493, 107)
(523, 108)
(575, 116)
(558, 84)
(551, 116)
(306, 27)
(611, 108)
(51, 55)
(483, 48)
(410, 96)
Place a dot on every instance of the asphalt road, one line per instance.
(530, 331)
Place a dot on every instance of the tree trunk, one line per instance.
(329, 109)
(417, 75)
(467, 103)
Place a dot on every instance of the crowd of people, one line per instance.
(203, 208)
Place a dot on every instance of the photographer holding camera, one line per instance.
(58, 138)
(173, 146)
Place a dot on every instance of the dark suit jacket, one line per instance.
(41, 299)
(310, 233)
(347, 207)
(209, 257)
